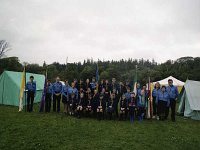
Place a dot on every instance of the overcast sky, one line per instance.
(50, 30)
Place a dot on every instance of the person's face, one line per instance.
(89, 90)
(113, 80)
(82, 95)
(101, 97)
(57, 79)
(101, 81)
(128, 90)
(73, 84)
(132, 95)
(66, 83)
(163, 89)
(144, 87)
(93, 80)
(138, 85)
(107, 81)
(87, 81)
(157, 85)
(103, 90)
(170, 83)
(31, 79)
(95, 91)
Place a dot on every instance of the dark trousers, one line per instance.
(48, 102)
(173, 108)
(162, 105)
(56, 102)
(154, 106)
(30, 99)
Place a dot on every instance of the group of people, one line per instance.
(105, 100)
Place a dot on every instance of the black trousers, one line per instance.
(56, 102)
(173, 109)
(30, 100)
(162, 105)
(48, 102)
(154, 106)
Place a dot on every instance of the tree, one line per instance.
(4, 47)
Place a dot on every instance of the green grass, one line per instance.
(56, 131)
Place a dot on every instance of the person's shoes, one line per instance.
(158, 118)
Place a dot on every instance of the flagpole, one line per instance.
(25, 85)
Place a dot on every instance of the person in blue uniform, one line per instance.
(93, 85)
(173, 93)
(31, 88)
(57, 90)
(73, 98)
(141, 104)
(155, 92)
(48, 96)
(65, 97)
(123, 108)
(163, 101)
(132, 107)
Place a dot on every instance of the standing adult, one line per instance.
(173, 94)
(31, 87)
(57, 90)
(48, 96)
(154, 95)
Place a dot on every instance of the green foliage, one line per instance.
(183, 68)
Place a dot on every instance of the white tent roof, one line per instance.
(176, 82)
(192, 89)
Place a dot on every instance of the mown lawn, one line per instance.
(57, 131)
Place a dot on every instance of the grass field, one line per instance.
(57, 131)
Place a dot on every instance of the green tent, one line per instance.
(10, 83)
(189, 105)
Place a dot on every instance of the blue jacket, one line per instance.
(128, 95)
(65, 90)
(173, 92)
(73, 90)
(49, 88)
(31, 86)
(57, 88)
(138, 92)
(155, 92)
(163, 97)
(142, 100)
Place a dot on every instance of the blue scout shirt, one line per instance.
(49, 88)
(173, 91)
(155, 92)
(163, 96)
(57, 88)
(31, 86)
(73, 90)
(65, 90)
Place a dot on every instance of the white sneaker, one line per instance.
(158, 118)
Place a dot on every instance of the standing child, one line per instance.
(123, 108)
(65, 98)
(141, 104)
(100, 107)
(80, 105)
(132, 107)
(110, 108)
(88, 108)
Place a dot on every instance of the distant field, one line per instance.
(43, 131)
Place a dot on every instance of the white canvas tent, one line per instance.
(176, 82)
(189, 105)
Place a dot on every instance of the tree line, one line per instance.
(183, 68)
